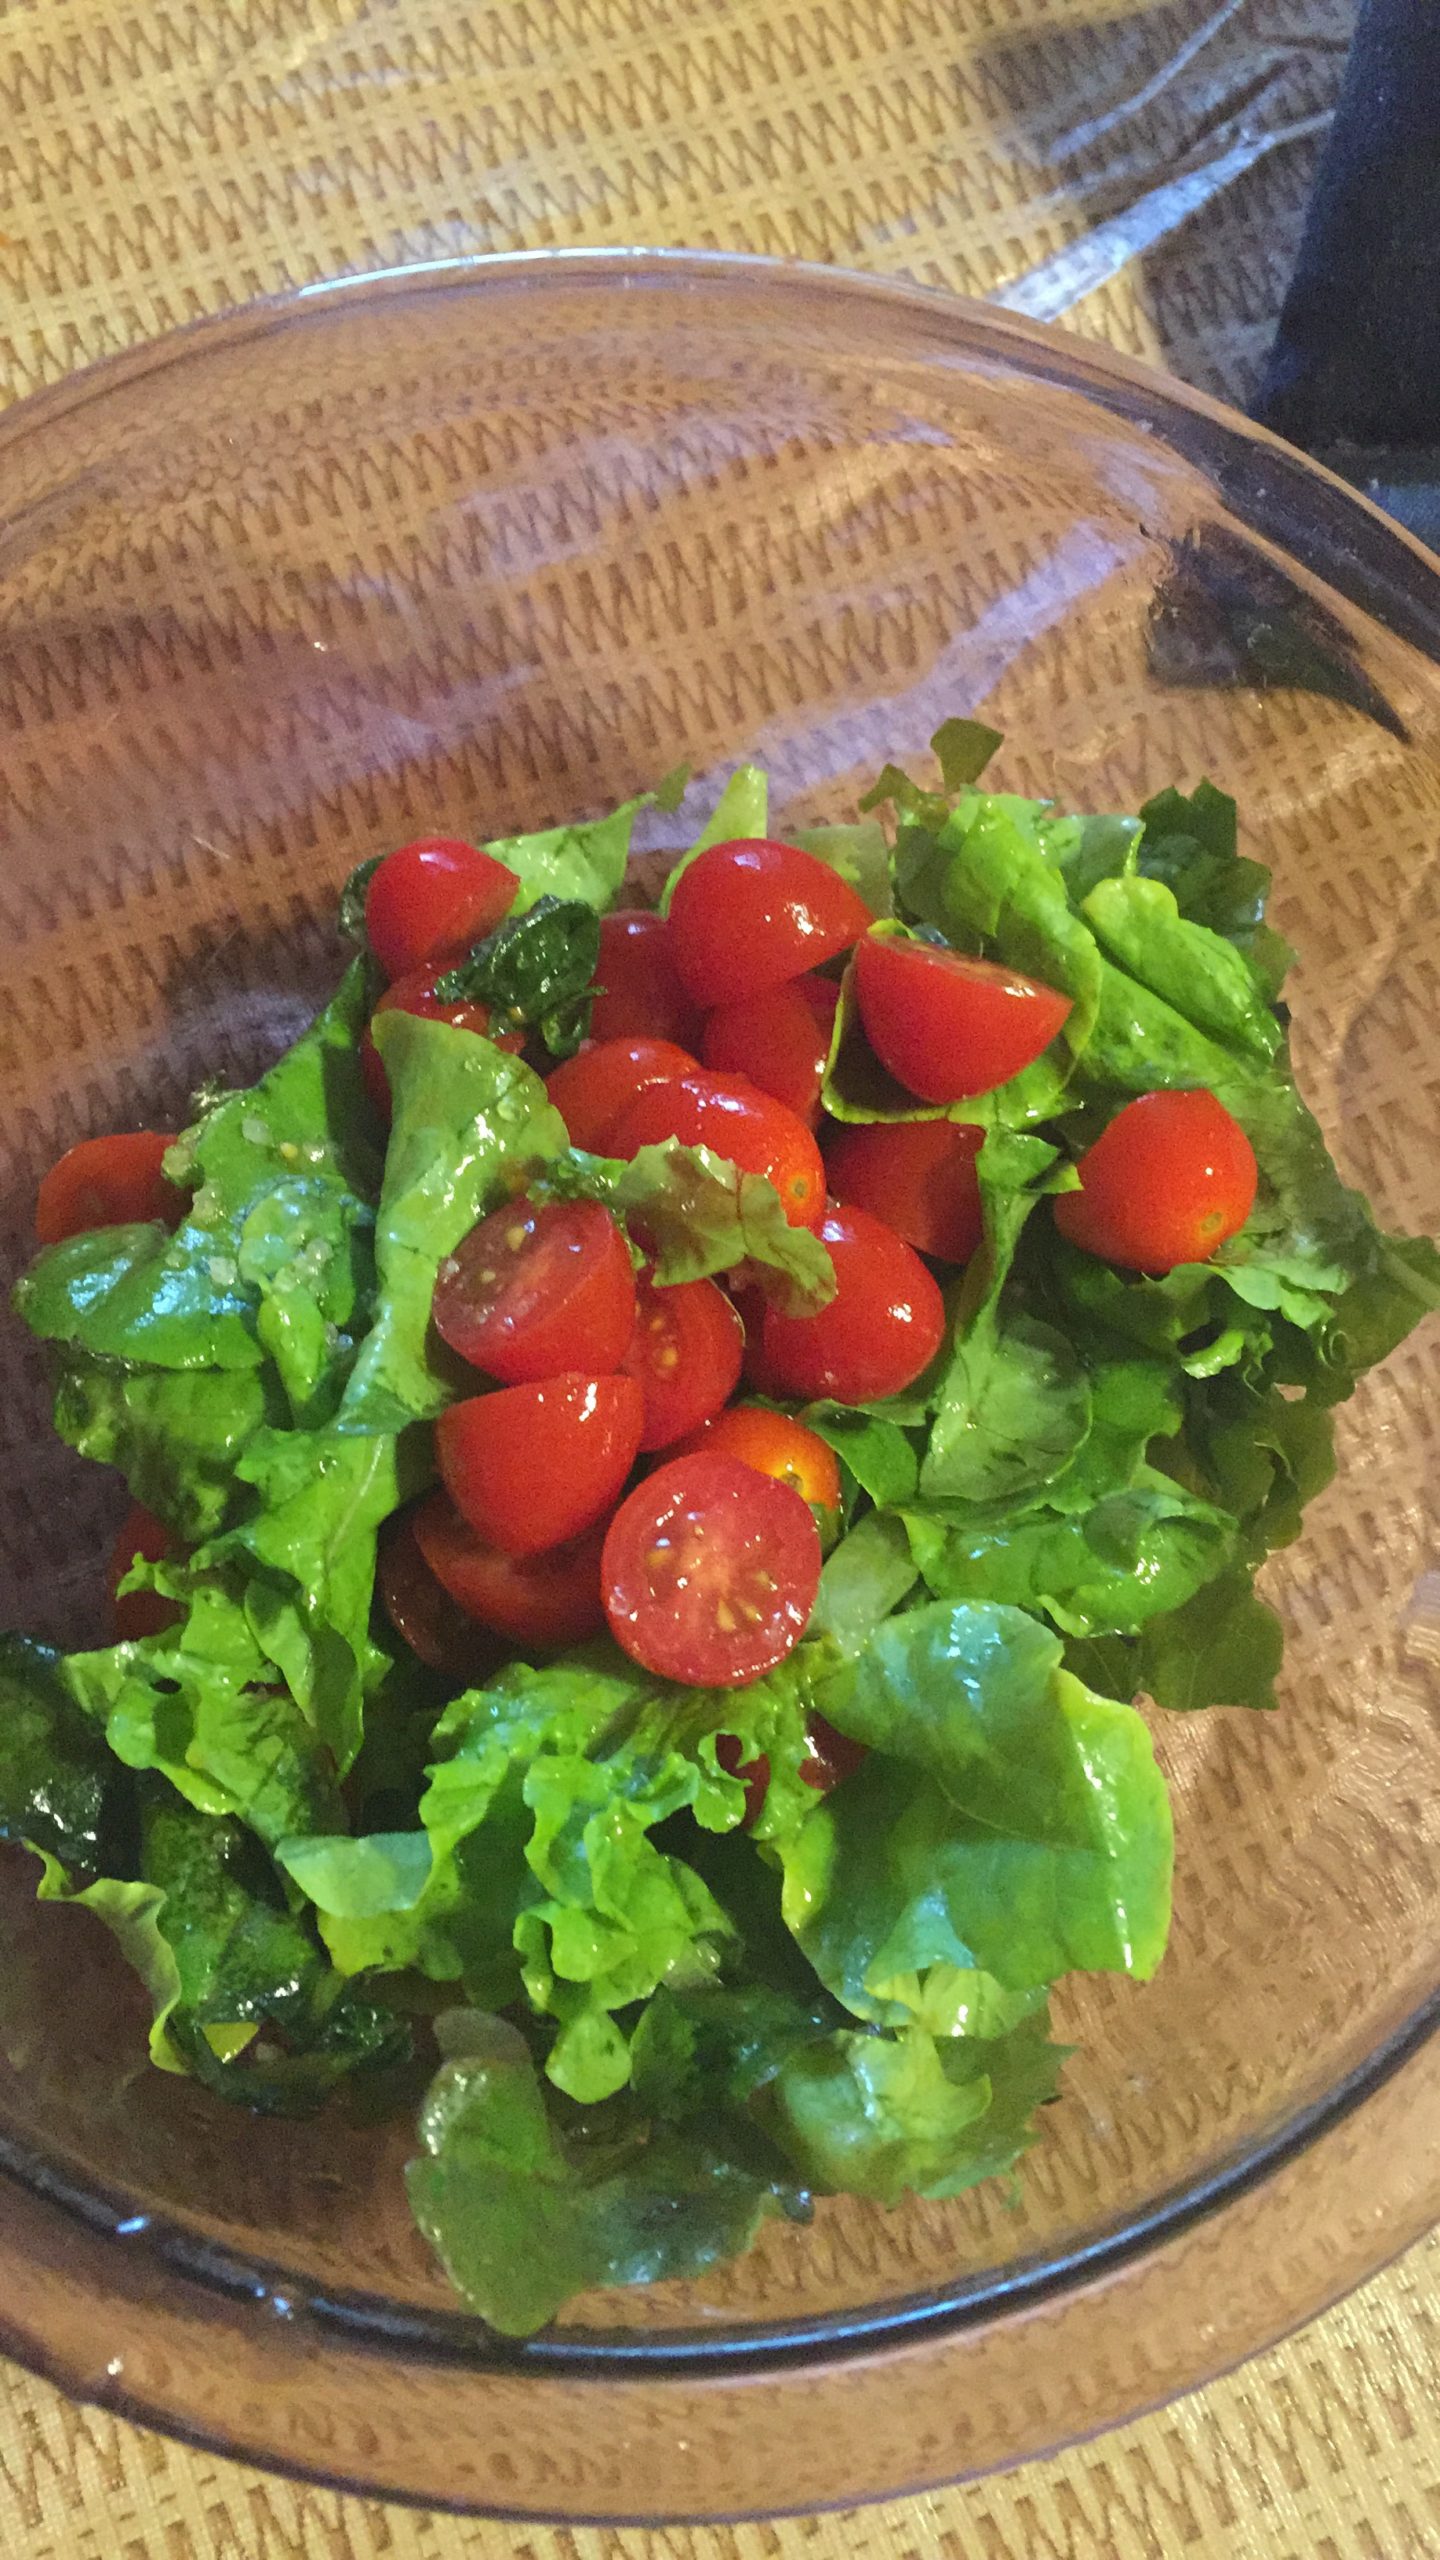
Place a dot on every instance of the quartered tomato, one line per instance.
(918, 1175)
(640, 994)
(421, 1610)
(737, 1121)
(685, 1354)
(778, 1446)
(108, 1182)
(536, 1288)
(1169, 1181)
(591, 1089)
(141, 1613)
(710, 1571)
(947, 1026)
(750, 914)
(416, 994)
(430, 900)
(532, 1467)
(542, 1601)
(779, 1040)
(881, 1328)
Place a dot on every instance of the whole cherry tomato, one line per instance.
(735, 1120)
(108, 1182)
(1170, 1180)
(780, 1040)
(777, 1445)
(430, 900)
(591, 1089)
(750, 914)
(422, 1611)
(947, 1026)
(918, 1175)
(640, 997)
(543, 1601)
(536, 1288)
(710, 1571)
(881, 1328)
(532, 1467)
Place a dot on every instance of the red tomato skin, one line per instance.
(737, 1121)
(416, 994)
(430, 900)
(641, 996)
(776, 1445)
(833, 1755)
(425, 1615)
(141, 1613)
(684, 1354)
(918, 1176)
(563, 1295)
(881, 1328)
(946, 1026)
(1170, 1180)
(108, 1182)
(591, 1089)
(754, 1774)
(749, 914)
(534, 1467)
(710, 1571)
(779, 1041)
(545, 1601)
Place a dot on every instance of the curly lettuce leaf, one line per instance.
(884, 2116)
(692, 1214)
(176, 1435)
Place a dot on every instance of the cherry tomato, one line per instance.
(948, 1026)
(108, 1182)
(918, 1175)
(545, 1601)
(591, 1089)
(416, 994)
(833, 1755)
(1170, 1179)
(780, 1040)
(736, 1121)
(685, 1354)
(710, 1571)
(881, 1328)
(531, 1467)
(641, 997)
(754, 1775)
(430, 900)
(141, 1613)
(423, 1613)
(536, 1288)
(778, 1446)
(748, 915)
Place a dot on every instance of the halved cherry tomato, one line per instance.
(533, 1467)
(753, 1774)
(881, 1328)
(591, 1089)
(918, 1175)
(108, 1182)
(141, 1613)
(641, 997)
(430, 900)
(685, 1353)
(948, 1026)
(710, 1571)
(537, 1287)
(737, 1121)
(545, 1601)
(749, 914)
(416, 994)
(780, 1040)
(833, 1755)
(778, 1445)
(422, 1611)
(1169, 1181)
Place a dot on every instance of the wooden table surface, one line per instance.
(1140, 170)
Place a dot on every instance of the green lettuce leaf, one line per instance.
(692, 1213)
(885, 2116)
(176, 1435)
(585, 862)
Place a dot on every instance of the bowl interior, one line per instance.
(479, 552)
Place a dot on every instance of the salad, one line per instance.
(666, 1446)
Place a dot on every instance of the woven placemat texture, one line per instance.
(1141, 171)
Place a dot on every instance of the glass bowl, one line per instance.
(479, 547)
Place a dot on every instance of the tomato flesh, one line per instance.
(532, 1467)
(918, 1175)
(684, 1354)
(780, 1041)
(544, 1601)
(947, 1026)
(881, 1328)
(640, 993)
(747, 915)
(141, 1613)
(538, 1287)
(416, 994)
(108, 1182)
(424, 1614)
(777, 1445)
(1170, 1180)
(710, 1571)
(737, 1121)
(591, 1089)
(430, 900)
